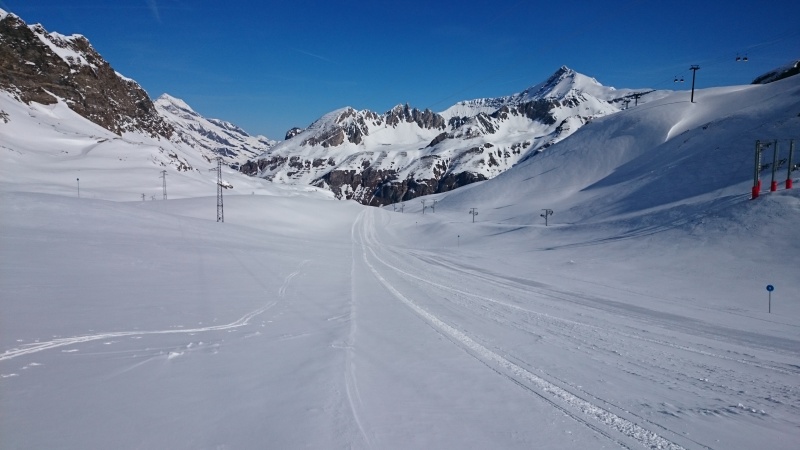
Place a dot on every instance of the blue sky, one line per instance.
(268, 66)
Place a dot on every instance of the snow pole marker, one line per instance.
(773, 186)
(789, 166)
(770, 288)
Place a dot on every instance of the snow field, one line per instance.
(636, 319)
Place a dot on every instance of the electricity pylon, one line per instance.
(164, 178)
(547, 212)
(220, 213)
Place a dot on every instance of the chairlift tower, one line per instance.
(473, 212)
(636, 96)
(694, 70)
(220, 213)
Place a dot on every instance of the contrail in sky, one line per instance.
(321, 58)
(154, 9)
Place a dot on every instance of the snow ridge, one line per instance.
(210, 137)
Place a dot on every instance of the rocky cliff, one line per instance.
(37, 66)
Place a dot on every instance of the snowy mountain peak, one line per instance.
(169, 102)
(406, 152)
(211, 137)
(564, 83)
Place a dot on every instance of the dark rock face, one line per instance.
(779, 74)
(292, 133)
(252, 168)
(33, 70)
(382, 187)
(440, 138)
(539, 110)
(424, 119)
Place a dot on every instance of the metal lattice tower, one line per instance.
(164, 178)
(220, 214)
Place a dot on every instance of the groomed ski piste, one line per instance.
(637, 318)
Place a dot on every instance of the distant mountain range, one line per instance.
(379, 159)
(373, 158)
(43, 67)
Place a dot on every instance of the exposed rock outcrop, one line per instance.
(38, 66)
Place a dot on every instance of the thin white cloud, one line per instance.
(321, 58)
(153, 5)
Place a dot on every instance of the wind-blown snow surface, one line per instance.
(637, 319)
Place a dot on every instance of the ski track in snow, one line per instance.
(351, 382)
(631, 352)
(62, 342)
(555, 395)
(700, 370)
(563, 295)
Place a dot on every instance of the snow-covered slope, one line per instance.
(665, 153)
(637, 319)
(211, 137)
(404, 153)
(76, 75)
(52, 149)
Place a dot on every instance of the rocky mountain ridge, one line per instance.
(37, 66)
(48, 67)
(211, 137)
(404, 153)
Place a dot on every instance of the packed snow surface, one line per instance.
(637, 318)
